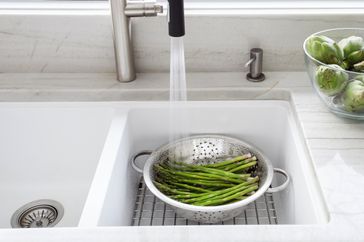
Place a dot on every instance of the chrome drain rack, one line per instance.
(150, 211)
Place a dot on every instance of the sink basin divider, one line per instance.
(100, 188)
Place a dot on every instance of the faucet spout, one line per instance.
(176, 18)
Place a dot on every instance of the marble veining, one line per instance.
(80, 43)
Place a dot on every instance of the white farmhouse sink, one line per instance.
(269, 125)
(78, 154)
(49, 151)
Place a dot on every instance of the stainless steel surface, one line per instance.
(142, 9)
(121, 11)
(136, 156)
(249, 62)
(255, 64)
(151, 211)
(208, 149)
(284, 185)
(38, 214)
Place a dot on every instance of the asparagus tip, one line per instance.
(248, 155)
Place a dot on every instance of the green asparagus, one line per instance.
(224, 182)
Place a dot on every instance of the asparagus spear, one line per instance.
(207, 183)
(195, 182)
(197, 175)
(168, 189)
(227, 194)
(243, 167)
(232, 166)
(192, 188)
(220, 192)
(228, 162)
(215, 171)
(190, 198)
(219, 201)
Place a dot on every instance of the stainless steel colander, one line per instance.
(207, 149)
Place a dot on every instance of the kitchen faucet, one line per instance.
(121, 12)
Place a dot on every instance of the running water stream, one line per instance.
(178, 90)
(178, 93)
(176, 31)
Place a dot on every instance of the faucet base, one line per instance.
(259, 78)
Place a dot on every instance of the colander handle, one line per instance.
(135, 156)
(282, 186)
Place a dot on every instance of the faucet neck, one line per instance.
(121, 11)
(176, 21)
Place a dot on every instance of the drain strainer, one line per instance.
(38, 214)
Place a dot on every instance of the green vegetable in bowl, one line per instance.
(359, 66)
(355, 57)
(215, 184)
(359, 78)
(353, 96)
(331, 79)
(351, 44)
(325, 50)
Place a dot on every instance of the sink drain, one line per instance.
(37, 214)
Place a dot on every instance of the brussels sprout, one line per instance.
(353, 96)
(325, 50)
(351, 44)
(331, 79)
(359, 66)
(355, 57)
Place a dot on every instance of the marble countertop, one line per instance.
(336, 146)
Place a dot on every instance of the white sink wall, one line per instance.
(49, 151)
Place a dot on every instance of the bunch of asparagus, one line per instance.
(208, 185)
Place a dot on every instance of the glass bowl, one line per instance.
(335, 102)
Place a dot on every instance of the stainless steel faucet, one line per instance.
(121, 11)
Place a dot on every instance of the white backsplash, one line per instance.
(83, 43)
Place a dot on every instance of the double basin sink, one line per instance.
(78, 155)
